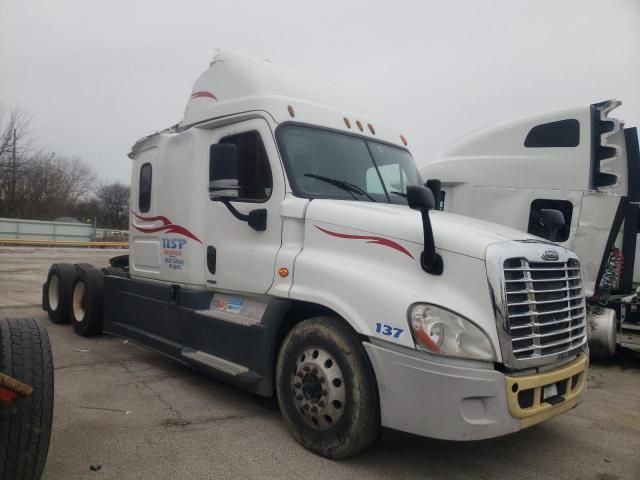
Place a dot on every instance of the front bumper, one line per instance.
(439, 400)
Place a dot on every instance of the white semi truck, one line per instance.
(572, 177)
(282, 241)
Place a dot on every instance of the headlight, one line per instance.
(440, 331)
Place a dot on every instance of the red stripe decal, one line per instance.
(377, 240)
(203, 94)
(167, 227)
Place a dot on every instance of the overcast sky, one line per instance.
(97, 75)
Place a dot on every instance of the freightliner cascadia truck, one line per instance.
(282, 240)
(572, 177)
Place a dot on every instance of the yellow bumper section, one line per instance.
(525, 394)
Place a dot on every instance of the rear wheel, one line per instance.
(25, 425)
(56, 292)
(86, 301)
(326, 388)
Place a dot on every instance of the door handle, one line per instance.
(211, 259)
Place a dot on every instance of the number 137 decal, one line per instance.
(388, 330)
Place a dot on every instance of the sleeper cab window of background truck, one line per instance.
(254, 172)
(540, 227)
(144, 190)
(360, 165)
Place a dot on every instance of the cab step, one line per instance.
(221, 365)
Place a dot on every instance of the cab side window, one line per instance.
(550, 219)
(144, 190)
(254, 172)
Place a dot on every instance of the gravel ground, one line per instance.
(139, 415)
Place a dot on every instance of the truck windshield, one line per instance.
(326, 164)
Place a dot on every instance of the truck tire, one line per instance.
(83, 266)
(326, 388)
(25, 425)
(86, 301)
(56, 292)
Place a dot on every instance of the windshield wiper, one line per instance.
(349, 187)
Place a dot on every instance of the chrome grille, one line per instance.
(544, 308)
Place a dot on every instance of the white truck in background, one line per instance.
(281, 240)
(572, 177)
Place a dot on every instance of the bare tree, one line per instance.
(115, 205)
(14, 146)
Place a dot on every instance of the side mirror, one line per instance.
(223, 171)
(421, 198)
(224, 184)
(551, 218)
(435, 186)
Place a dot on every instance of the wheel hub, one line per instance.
(53, 293)
(318, 388)
(79, 301)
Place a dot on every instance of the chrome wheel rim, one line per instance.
(318, 388)
(79, 301)
(53, 293)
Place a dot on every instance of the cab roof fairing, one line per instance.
(236, 84)
(497, 157)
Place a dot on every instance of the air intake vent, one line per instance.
(602, 128)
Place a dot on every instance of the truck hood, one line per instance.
(454, 233)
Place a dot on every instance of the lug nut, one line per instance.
(324, 392)
(306, 368)
(314, 409)
(297, 384)
(321, 403)
(314, 370)
(299, 374)
(306, 406)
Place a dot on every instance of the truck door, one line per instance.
(240, 258)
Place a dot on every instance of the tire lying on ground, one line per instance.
(25, 425)
(326, 388)
(86, 301)
(56, 292)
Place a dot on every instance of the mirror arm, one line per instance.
(430, 261)
(257, 219)
(234, 211)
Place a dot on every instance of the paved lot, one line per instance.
(141, 416)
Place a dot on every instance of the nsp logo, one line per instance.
(177, 243)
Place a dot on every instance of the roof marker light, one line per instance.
(359, 124)
(291, 112)
(404, 140)
(371, 129)
(347, 122)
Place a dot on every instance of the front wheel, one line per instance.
(326, 388)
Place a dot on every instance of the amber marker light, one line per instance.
(291, 112)
(371, 129)
(283, 272)
(359, 124)
(347, 122)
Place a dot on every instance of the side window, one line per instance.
(144, 192)
(254, 172)
(551, 219)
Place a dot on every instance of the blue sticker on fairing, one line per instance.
(234, 305)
